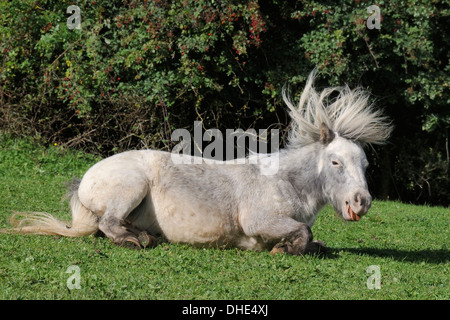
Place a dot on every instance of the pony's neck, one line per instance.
(300, 168)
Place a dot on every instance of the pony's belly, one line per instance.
(197, 225)
(186, 226)
(206, 231)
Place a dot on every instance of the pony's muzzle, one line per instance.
(358, 205)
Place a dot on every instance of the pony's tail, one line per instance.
(84, 221)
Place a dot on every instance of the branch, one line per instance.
(368, 47)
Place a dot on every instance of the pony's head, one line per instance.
(342, 166)
(341, 122)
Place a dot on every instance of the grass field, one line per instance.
(404, 246)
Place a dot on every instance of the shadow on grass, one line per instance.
(436, 256)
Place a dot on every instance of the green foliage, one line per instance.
(139, 69)
(135, 68)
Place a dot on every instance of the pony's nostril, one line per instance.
(362, 201)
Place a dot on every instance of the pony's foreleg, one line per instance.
(290, 236)
(297, 246)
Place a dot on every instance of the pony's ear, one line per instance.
(326, 135)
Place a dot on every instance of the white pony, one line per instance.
(134, 196)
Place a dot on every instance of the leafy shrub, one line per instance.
(139, 69)
(135, 71)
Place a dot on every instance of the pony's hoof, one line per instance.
(282, 248)
(313, 247)
(277, 249)
(316, 247)
(130, 243)
(146, 240)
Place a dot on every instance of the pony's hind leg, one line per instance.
(114, 194)
(114, 229)
(145, 239)
(125, 234)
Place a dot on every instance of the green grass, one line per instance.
(408, 243)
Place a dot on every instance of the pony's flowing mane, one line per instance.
(348, 114)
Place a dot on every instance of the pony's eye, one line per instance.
(334, 163)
